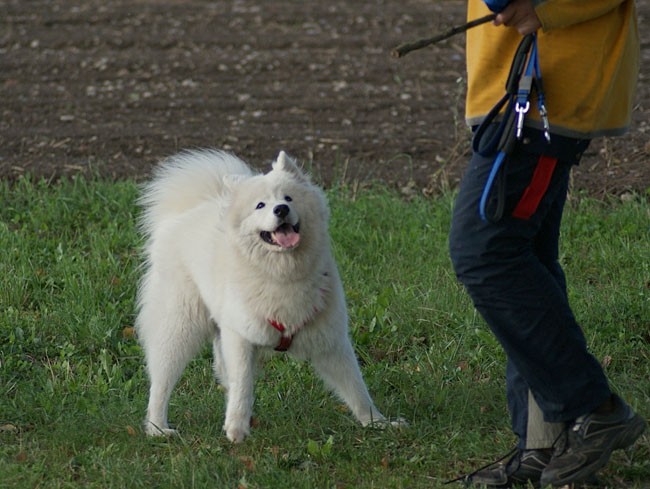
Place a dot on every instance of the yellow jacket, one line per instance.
(589, 59)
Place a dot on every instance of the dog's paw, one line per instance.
(383, 423)
(236, 432)
(153, 430)
(398, 422)
(237, 435)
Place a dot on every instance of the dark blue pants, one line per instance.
(510, 269)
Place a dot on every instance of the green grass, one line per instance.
(73, 388)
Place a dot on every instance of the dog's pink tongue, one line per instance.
(286, 237)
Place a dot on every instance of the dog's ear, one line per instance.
(287, 164)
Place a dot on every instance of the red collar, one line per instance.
(285, 341)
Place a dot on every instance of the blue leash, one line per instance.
(524, 74)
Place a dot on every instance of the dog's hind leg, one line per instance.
(171, 336)
(339, 369)
(219, 366)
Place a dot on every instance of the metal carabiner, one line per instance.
(521, 114)
(547, 127)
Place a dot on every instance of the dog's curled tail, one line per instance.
(183, 181)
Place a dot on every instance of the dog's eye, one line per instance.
(260, 205)
(288, 198)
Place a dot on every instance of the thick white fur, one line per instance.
(210, 276)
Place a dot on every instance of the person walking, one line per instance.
(573, 79)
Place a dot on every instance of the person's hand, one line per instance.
(521, 15)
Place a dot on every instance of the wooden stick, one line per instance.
(404, 49)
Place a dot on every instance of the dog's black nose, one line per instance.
(281, 210)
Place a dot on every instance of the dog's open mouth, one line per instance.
(285, 236)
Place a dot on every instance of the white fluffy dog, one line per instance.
(242, 259)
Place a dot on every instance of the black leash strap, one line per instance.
(514, 105)
(502, 138)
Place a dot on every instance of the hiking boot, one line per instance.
(523, 467)
(588, 443)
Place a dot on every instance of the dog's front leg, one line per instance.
(239, 358)
(340, 371)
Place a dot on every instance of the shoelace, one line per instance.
(576, 434)
(467, 478)
(568, 437)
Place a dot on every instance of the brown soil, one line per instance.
(112, 87)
